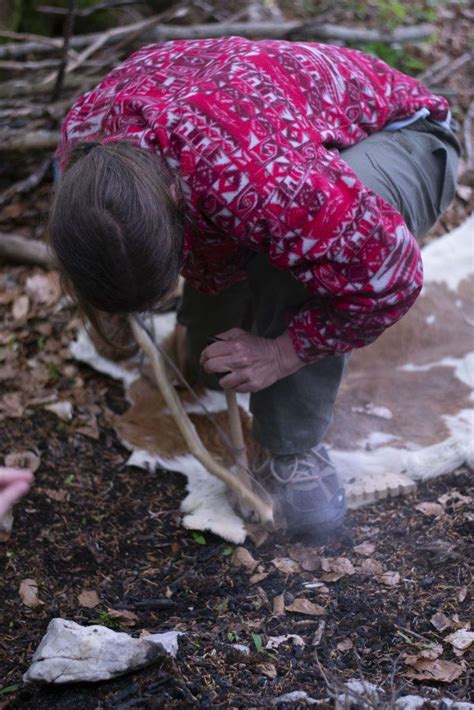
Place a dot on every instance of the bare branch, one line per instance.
(25, 251)
(263, 30)
(22, 142)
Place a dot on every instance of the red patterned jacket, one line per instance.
(252, 130)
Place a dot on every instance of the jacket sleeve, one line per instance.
(351, 249)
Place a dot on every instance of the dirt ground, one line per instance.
(92, 523)
(381, 602)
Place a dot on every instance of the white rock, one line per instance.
(72, 653)
(297, 696)
(413, 702)
(358, 694)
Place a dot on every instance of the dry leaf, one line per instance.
(124, 617)
(286, 565)
(390, 579)
(44, 288)
(440, 621)
(268, 669)
(430, 653)
(454, 498)
(344, 645)
(371, 566)
(63, 410)
(241, 557)
(28, 592)
(308, 557)
(276, 641)
(23, 459)
(58, 495)
(278, 605)
(20, 308)
(432, 509)
(438, 670)
(88, 599)
(461, 639)
(462, 594)
(335, 568)
(304, 606)
(366, 549)
(319, 633)
(256, 578)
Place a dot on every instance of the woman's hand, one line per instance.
(14, 483)
(252, 362)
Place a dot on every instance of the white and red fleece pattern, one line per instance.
(252, 131)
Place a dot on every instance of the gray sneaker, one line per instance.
(308, 490)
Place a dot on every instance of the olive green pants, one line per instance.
(415, 170)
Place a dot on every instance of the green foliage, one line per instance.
(9, 688)
(398, 57)
(257, 642)
(227, 550)
(39, 23)
(104, 619)
(198, 537)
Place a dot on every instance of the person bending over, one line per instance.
(287, 182)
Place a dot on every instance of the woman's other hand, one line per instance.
(14, 483)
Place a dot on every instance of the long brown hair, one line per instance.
(116, 230)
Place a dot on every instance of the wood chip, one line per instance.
(319, 633)
(304, 606)
(88, 599)
(278, 605)
(344, 645)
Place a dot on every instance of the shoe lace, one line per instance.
(301, 469)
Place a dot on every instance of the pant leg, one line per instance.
(293, 414)
(414, 169)
(204, 316)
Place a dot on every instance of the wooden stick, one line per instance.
(263, 508)
(237, 437)
(25, 251)
(23, 141)
(263, 30)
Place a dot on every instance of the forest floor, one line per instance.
(387, 594)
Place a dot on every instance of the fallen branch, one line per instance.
(263, 30)
(284, 30)
(15, 89)
(244, 493)
(25, 251)
(22, 142)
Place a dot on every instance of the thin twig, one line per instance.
(68, 29)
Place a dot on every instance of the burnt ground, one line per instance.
(92, 523)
